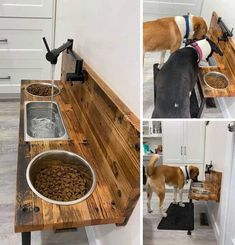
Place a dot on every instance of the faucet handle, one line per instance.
(46, 44)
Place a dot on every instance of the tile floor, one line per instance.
(152, 236)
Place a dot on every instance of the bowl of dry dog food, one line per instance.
(216, 80)
(61, 177)
(42, 89)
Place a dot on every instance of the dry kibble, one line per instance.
(60, 182)
(41, 90)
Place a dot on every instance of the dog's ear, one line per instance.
(214, 48)
(199, 28)
(194, 172)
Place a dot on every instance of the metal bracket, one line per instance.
(80, 74)
(226, 32)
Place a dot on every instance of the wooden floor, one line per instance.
(9, 121)
(148, 106)
(152, 236)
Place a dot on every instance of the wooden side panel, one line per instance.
(111, 126)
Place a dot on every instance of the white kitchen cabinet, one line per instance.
(26, 8)
(172, 138)
(183, 142)
(194, 142)
(154, 9)
(22, 51)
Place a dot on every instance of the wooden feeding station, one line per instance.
(224, 64)
(106, 134)
(208, 190)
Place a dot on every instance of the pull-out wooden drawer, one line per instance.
(26, 8)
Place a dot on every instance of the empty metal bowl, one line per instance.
(216, 80)
(44, 159)
(44, 85)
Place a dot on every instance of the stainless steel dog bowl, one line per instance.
(44, 84)
(43, 121)
(216, 80)
(46, 158)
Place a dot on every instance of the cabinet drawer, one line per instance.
(26, 8)
(14, 76)
(18, 34)
(22, 59)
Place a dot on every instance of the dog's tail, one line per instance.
(151, 164)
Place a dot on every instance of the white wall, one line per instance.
(218, 149)
(113, 235)
(107, 36)
(225, 9)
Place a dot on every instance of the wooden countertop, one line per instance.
(225, 64)
(113, 153)
(97, 209)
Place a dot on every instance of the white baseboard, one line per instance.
(214, 224)
(224, 108)
(91, 236)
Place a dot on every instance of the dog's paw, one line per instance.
(174, 202)
(150, 211)
(164, 215)
(181, 204)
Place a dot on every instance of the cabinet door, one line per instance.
(22, 52)
(172, 141)
(194, 142)
(154, 9)
(26, 8)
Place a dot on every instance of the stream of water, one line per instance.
(43, 124)
(52, 89)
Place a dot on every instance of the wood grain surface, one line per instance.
(212, 184)
(226, 63)
(104, 132)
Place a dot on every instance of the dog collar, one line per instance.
(186, 18)
(198, 49)
(187, 173)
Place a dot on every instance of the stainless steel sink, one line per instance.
(43, 121)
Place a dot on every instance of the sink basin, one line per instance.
(43, 121)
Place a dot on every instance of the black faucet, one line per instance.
(52, 55)
(208, 168)
(225, 31)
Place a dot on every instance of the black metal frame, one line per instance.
(26, 238)
(189, 232)
(203, 99)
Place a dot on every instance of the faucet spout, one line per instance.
(52, 55)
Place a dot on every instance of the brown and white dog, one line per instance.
(158, 176)
(168, 33)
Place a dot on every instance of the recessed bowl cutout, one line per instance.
(42, 89)
(61, 177)
(216, 80)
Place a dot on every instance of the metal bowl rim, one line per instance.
(217, 73)
(54, 201)
(43, 83)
